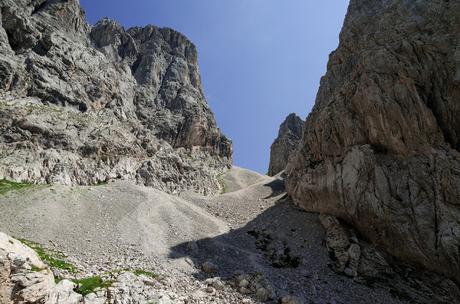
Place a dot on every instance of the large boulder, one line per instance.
(82, 104)
(380, 149)
(285, 144)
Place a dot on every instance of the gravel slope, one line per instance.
(124, 226)
(239, 178)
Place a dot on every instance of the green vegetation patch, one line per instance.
(149, 274)
(51, 258)
(89, 285)
(6, 186)
(57, 279)
(36, 269)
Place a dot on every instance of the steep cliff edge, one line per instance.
(82, 104)
(380, 149)
(285, 144)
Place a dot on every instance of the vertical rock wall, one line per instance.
(82, 104)
(380, 149)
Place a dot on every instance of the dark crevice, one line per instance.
(136, 64)
(314, 164)
(20, 36)
(39, 7)
(175, 142)
(14, 46)
(82, 107)
(57, 98)
(41, 48)
(435, 206)
(379, 149)
(436, 102)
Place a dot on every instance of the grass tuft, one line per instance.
(36, 269)
(6, 186)
(52, 259)
(89, 285)
(149, 274)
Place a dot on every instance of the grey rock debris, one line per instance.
(351, 256)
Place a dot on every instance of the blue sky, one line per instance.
(259, 59)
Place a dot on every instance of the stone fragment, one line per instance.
(209, 267)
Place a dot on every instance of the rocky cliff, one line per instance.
(283, 147)
(380, 149)
(82, 104)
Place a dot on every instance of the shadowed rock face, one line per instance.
(82, 104)
(380, 149)
(285, 144)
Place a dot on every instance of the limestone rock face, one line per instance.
(380, 149)
(82, 104)
(285, 144)
(23, 276)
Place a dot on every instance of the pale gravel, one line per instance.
(122, 225)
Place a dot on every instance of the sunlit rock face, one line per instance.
(81, 104)
(380, 149)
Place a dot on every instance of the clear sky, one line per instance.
(259, 59)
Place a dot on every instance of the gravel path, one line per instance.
(251, 230)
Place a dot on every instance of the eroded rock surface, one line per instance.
(380, 149)
(23, 276)
(357, 259)
(25, 279)
(285, 144)
(82, 104)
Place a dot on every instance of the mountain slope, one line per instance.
(261, 248)
(82, 104)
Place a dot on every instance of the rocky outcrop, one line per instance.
(82, 104)
(25, 279)
(23, 276)
(285, 144)
(380, 149)
(352, 256)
